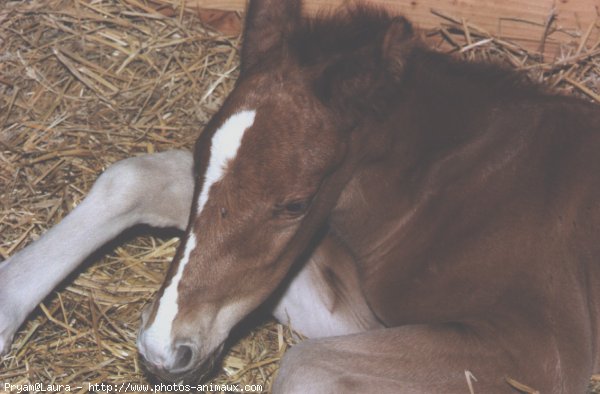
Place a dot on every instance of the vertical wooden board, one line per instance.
(521, 21)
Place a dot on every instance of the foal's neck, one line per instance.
(443, 121)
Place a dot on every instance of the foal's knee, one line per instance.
(302, 372)
(120, 187)
(153, 189)
(293, 373)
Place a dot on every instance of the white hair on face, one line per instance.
(157, 337)
(225, 144)
(224, 147)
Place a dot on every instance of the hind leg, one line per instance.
(153, 189)
(411, 359)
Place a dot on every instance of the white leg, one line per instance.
(154, 189)
(324, 298)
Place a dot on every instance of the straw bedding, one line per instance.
(84, 84)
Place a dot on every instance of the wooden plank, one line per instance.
(521, 21)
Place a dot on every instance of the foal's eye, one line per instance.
(292, 209)
(296, 207)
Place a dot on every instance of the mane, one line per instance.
(489, 78)
(329, 35)
(344, 51)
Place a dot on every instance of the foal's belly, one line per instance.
(325, 298)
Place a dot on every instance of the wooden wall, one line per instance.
(521, 21)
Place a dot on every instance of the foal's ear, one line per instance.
(397, 44)
(267, 23)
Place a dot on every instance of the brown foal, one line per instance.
(423, 220)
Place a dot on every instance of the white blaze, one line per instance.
(224, 147)
(225, 144)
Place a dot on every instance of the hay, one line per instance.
(83, 85)
(87, 83)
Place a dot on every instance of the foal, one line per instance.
(417, 217)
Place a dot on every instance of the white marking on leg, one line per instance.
(225, 144)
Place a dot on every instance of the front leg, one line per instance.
(324, 298)
(153, 189)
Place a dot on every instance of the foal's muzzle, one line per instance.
(188, 365)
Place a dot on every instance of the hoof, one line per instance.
(4, 346)
(6, 336)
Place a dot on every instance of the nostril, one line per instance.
(183, 356)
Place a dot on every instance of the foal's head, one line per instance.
(270, 167)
